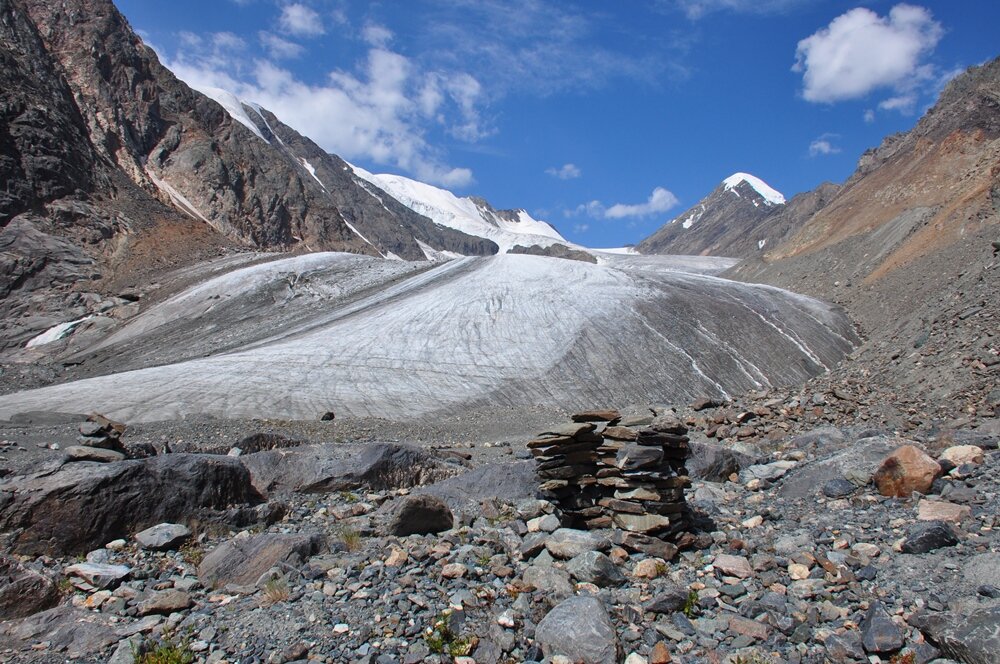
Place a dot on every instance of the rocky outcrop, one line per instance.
(82, 506)
(555, 251)
(243, 560)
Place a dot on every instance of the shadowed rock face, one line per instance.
(462, 333)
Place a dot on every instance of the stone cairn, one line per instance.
(604, 475)
(101, 433)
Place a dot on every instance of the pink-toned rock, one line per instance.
(906, 470)
(737, 566)
(940, 510)
(962, 454)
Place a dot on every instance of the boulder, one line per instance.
(163, 537)
(729, 565)
(610, 415)
(550, 581)
(580, 629)
(23, 591)
(924, 537)
(83, 505)
(962, 454)
(879, 634)
(331, 468)
(973, 638)
(165, 602)
(669, 600)
(714, 463)
(420, 515)
(74, 634)
(595, 567)
(942, 510)
(243, 559)
(906, 470)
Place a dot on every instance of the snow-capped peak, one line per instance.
(771, 196)
(469, 215)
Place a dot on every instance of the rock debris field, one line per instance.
(826, 544)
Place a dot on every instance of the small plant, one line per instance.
(901, 658)
(661, 568)
(166, 651)
(275, 590)
(752, 658)
(691, 604)
(441, 640)
(65, 586)
(349, 538)
(192, 552)
(349, 497)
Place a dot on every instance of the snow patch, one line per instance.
(60, 331)
(771, 196)
(178, 199)
(761, 243)
(693, 219)
(233, 106)
(312, 171)
(436, 255)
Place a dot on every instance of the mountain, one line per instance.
(906, 245)
(114, 170)
(739, 218)
(471, 215)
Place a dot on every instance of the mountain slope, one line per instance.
(114, 171)
(906, 247)
(740, 217)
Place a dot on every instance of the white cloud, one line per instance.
(278, 47)
(823, 146)
(696, 9)
(376, 35)
(581, 228)
(869, 116)
(565, 172)
(301, 21)
(904, 103)
(860, 52)
(659, 201)
(380, 112)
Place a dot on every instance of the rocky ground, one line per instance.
(319, 543)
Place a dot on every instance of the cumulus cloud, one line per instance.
(565, 172)
(823, 146)
(581, 228)
(869, 116)
(861, 51)
(300, 20)
(376, 35)
(659, 201)
(379, 112)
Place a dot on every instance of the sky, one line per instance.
(606, 119)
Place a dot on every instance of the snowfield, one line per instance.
(368, 337)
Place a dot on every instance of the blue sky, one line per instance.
(605, 118)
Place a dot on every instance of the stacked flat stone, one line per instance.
(630, 478)
(102, 433)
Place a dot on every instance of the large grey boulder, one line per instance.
(242, 560)
(595, 567)
(82, 506)
(73, 633)
(420, 515)
(580, 629)
(714, 463)
(568, 543)
(163, 536)
(330, 468)
(973, 638)
(23, 591)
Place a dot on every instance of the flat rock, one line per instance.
(23, 591)
(165, 602)
(906, 470)
(597, 416)
(87, 453)
(651, 546)
(568, 543)
(549, 580)
(941, 510)
(635, 457)
(640, 523)
(580, 629)
(714, 463)
(72, 511)
(163, 537)
(669, 600)
(420, 515)
(729, 565)
(74, 634)
(242, 560)
(99, 575)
